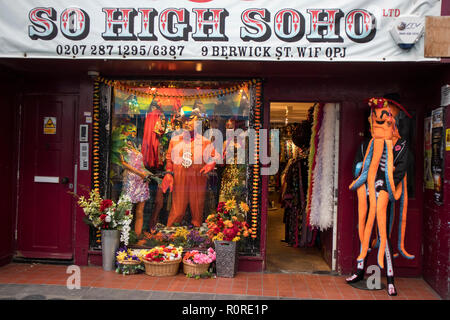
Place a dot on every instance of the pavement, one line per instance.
(56, 292)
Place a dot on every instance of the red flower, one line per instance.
(102, 216)
(127, 212)
(220, 206)
(105, 204)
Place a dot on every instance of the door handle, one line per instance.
(65, 180)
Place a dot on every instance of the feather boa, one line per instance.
(317, 115)
(323, 173)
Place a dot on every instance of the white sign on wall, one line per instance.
(264, 30)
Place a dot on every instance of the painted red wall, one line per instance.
(435, 221)
(8, 105)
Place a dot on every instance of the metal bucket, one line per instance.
(110, 244)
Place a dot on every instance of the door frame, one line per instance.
(20, 146)
(265, 191)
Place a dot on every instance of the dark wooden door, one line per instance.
(46, 173)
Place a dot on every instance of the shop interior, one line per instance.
(292, 245)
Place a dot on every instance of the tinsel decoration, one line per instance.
(133, 91)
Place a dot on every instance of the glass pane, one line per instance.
(175, 151)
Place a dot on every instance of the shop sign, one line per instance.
(268, 30)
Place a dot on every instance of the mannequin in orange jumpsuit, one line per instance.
(187, 170)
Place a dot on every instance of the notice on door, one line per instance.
(49, 125)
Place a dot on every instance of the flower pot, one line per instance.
(226, 258)
(110, 244)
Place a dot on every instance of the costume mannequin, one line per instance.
(135, 177)
(380, 174)
(186, 171)
(234, 173)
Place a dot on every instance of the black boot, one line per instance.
(390, 286)
(356, 277)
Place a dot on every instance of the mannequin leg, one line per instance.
(359, 274)
(139, 218)
(390, 271)
(197, 196)
(159, 201)
(181, 185)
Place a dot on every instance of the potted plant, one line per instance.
(197, 263)
(113, 219)
(163, 260)
(226, 227)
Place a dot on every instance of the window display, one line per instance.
(174, 148)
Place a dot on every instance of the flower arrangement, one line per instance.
(197, 257)
(127, 255)
(106, 214)
(228, 222)
(178, 236)
(128, 261)
(164, 253)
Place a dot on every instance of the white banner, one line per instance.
(258, 30)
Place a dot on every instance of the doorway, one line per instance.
(44, 227)
(293, 244)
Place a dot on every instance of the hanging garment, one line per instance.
(150, 142)
(293, 202)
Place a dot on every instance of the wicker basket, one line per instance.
(124, 265)
(162, 269)
(132, 262)
(195, 269)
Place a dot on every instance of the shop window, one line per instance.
(168, 146)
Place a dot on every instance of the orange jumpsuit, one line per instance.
(189, 184)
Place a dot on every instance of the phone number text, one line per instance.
(119, 50)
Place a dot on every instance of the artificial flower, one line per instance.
(106, 214)
(229, 222)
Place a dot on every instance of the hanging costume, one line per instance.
(150, 142)
(293, 202)
(234, 175)
(380, 176)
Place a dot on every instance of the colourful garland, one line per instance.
(255, 194)
(96, 137)
(96, 147)
(132, 90)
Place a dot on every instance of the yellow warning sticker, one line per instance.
(49, 125)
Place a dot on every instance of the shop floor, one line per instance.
(263, 285)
